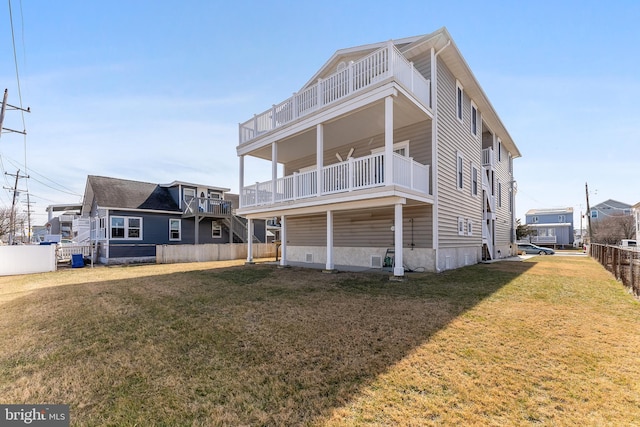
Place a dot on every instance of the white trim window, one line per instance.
(126, 227)
(499, 194)
(459, 100)
(534, 220)
(459, 171)
(474, 180)
(510, 164)
(175, 229)
(499, 150)
(469, 227)
(562, 218)
(216, 230)
(460, 226)
(474, 119)
(401, 148)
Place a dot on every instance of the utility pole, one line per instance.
(29, 218)
(586, 189)
(4, 108)
(12, 218)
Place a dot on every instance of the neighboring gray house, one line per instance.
(636, 216)
(390, 153)
(129, 218)
(551, 227)
(609, 208)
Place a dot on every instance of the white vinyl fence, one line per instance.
(27, 259)
(169, 254)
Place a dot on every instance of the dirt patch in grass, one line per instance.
(507, 343)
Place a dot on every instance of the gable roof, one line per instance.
(611, 204)
(418, 46)
(126, 194)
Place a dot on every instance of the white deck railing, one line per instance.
(487, 157)
(350, 175)
(356, 76)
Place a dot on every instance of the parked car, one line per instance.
(529, 248)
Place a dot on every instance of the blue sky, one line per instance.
(154, 90)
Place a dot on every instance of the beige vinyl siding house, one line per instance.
(388, 148)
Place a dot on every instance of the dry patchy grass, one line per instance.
(551, 341)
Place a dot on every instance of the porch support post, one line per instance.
(249, 241)
(241, 168)
(388, 140)
(398, 269)
(329, 266)
(283, 241)
(196, 236)
(319, 157)
(274, 170)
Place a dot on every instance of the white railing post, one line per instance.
(390, 57)
(320, 94)
(295, 185)
(273, 116)
(411, 172)
(350, 173)
(412, 74)
(351, 85)
(294, 106)
(255, 125)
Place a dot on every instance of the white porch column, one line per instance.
(329, 266)
(241, 168)
(274, 170)
(249, 241)
(388, 140)
(283, 241)
(319, 157)
(398, 269)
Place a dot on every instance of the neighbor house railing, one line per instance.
(205, 205)
(544, 239)
(356, 76)
(350, 175)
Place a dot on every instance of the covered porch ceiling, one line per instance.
(356, 125)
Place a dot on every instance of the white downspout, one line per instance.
(434, 147)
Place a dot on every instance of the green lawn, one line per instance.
(550, 341)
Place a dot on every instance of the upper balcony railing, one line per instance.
(352, 174)
(204, 206)
(356, 76)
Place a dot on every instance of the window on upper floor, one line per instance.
(499, 197)
(459, 171)
(474, 180)
(469, 227)
(561, 218)
(594, 213)
(126, 227)
(459, 99)
(474, 119)
(510, 164)
(175, 229)
(499, 150)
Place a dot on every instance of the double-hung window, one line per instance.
(175, 229)
(126, 227)
(459, 177)
(474, 119)
(216, 230)
(459, 99)
(474, 180)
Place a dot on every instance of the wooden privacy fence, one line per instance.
(623, 263)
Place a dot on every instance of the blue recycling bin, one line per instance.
(77, 261)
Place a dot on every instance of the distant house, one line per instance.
(61, 219)
(129, 218)
(551, 227)
(609, 208)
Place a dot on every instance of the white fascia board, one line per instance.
(141, 210)
(322, 208)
